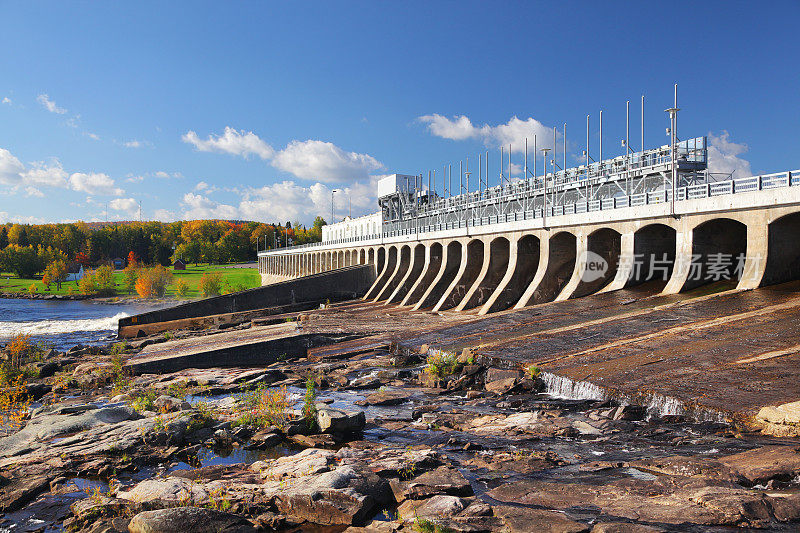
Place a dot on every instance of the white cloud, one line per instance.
(94, 183)
(199, 207)
(723, 156)
(7, 100)
(10, 168)
(133, 144)
(311, 159)
(33, 191)
(52, 175)
(324, 161)
(515, 131)
(28, 219)
(138, 178)
(241, 143)
(164, 215)
(201, 185)
(50, 105)
(288, 200)
(125, 205)
(93, 136)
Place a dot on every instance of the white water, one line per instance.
(567, 389)
(656, 404)
(56, 327)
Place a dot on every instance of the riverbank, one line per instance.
(390, 438)
(233, 277)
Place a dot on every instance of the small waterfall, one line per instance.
(664, 405)
(657, 404)
(565, 388)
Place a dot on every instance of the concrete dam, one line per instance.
(654, 216)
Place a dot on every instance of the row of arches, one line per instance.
(516, 269)
(292, 265)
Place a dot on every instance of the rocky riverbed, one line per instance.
(374, 441)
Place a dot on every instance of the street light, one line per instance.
(333, 220)
(544, 178)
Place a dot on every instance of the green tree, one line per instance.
(21, 260)
(3, 237)
(131, 272)
(104, 280)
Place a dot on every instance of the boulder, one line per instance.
(501, 386)
(308, 462)
(679, 465)
(338, 421)
(496, 374)
(760, 465)
(386, 397)
(439, 506)
(787, 507)
(166, 491)
(341, 496)
(49, 422)
(780, 420)
(47, 369)
(16, 493)
(629, 412)
(166, 404)
(188, 520)
(518, 519)
(441, 480)
(675, 501)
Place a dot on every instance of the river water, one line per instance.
(64, 323)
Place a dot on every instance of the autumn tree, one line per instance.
(55, 272)
(153, 282)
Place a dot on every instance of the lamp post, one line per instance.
(544, 179)
(672, 131)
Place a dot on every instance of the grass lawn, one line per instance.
(247, 278)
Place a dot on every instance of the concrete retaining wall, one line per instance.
(343, 284)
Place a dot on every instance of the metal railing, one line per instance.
(690, 192)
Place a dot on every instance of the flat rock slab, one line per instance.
(252, 347)
(762, 464)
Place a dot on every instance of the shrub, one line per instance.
(533, 371)
(20, 352)
(118, 368)
(309, 402)
(181, 287)
(211, 284)
(441, 364)
(153, 282)
(264, 407)
(14, 403)
(32, 289)
(144, 401)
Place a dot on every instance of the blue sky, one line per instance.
(256, 110)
